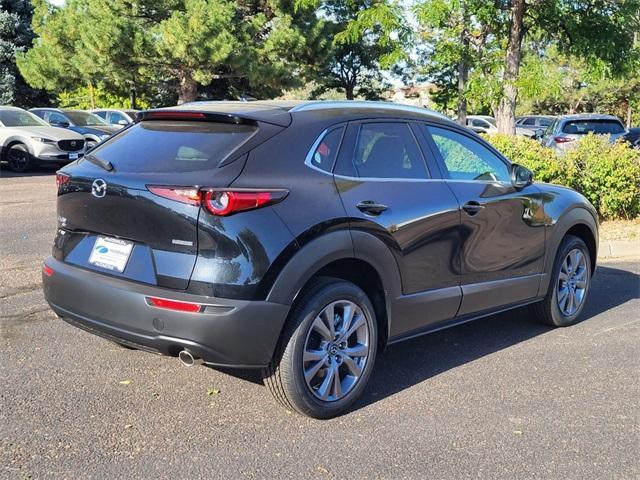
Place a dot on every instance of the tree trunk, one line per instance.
(92, 97)
(463, 76)
(348, 90)
(132, 98)
(506, 114)
(188, 89)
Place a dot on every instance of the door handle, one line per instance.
(472, 207)
(369, 207)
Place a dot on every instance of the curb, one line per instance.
(619, 249)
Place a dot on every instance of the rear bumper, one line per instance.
(229, 333)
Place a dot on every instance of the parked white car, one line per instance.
(487, 124)
(27, 140)
(114, 116)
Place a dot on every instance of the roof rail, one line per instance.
(326, 104)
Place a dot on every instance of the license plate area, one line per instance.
(110, 253)
(73, 156)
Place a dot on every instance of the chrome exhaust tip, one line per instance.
(188, 359)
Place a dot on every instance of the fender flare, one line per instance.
(13, 140)
(328, 248)
(555, 234)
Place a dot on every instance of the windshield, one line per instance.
(20, 118)
(85, 119)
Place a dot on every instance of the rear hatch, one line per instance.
(110, 219)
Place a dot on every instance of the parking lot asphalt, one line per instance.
(503, 397)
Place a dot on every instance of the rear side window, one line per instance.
(171, 146)
(325, 153)
(582, 127)
(388, 150)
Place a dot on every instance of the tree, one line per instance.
(124, 46)
(16, 36)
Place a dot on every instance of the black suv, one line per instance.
(302, 238)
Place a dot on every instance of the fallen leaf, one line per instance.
(125, 382)
(212, 391)
(518, 432)
(128, 426)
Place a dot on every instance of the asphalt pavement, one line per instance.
(503, 397)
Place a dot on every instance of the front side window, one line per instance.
(325, 153)
(388, 150)
(101, 114)
(467, 159)
(117, 116)
(531, 121)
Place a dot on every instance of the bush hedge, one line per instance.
(608, 175)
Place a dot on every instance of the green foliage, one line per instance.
(80, 98)
(607, 175)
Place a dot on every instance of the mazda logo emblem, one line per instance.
(73, 143)
(99, 188)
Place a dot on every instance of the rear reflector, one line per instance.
(47, 270)
(173, 305)
(188, 195)
(62, 179)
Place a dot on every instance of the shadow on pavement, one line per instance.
(39, 171)
(409, 363)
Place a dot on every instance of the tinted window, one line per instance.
(325, 153)
(116, 117)
(466, 159)
(545, 122)
(101, 114)
(58, 118)
(388, 150)
(582, 127)
(165, 146)
(529, 121)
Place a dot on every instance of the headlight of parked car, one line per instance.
(43, 140)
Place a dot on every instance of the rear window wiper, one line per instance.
(108, 166)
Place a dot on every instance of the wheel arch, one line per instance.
(579, 222)
(15, 141)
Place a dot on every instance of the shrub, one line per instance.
(608, 175)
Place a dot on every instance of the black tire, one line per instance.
(19, 158)
(548, 310)
(285, 376)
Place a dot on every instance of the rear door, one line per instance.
(502, 229)
(388, 190)
(139, 219)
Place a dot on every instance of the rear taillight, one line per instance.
(62, 179)
(190, 195)
(220, 202)
(563, 139)
(174, 115)
(174, 305)
(47, 270)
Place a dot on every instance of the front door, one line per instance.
(502, 228)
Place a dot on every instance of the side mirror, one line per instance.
(520, 176)
(124, 123)
(539, 133)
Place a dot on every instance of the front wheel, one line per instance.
(569, 284)
(327, 352)
(19, 158)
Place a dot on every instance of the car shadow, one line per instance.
(408, 363)
(39, 171)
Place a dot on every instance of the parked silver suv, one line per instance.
(26, 140)
(567, 129)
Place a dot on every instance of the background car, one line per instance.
(27, 140)
(566, 129)
(113, 116)
(487, 124)
(93, 128)
(633, 136)
(300, 238)
(533, 123)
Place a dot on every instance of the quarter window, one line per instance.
(388, 150)
(466, 159)
(325, 153)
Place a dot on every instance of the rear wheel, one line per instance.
(327, 352)
(569, 284)
(19, 158)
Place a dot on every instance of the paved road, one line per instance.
(503, 397)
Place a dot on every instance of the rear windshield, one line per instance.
(172, 146)
(582, 127)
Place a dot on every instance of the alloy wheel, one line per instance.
(572, 282)
(336, 350)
